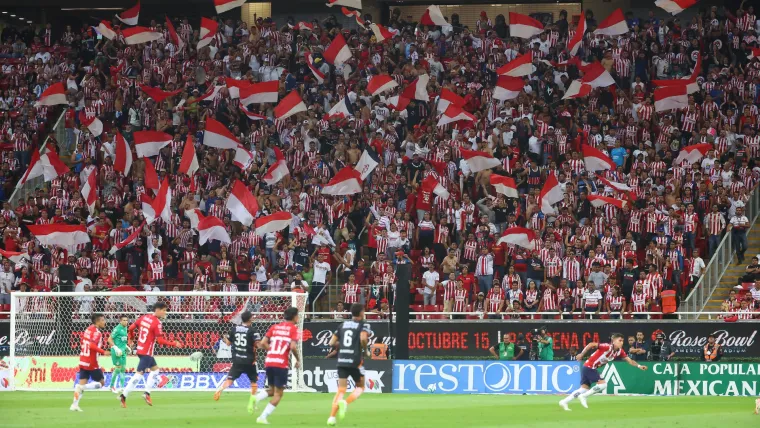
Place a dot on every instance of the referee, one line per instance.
(243, 339)
(351, 340)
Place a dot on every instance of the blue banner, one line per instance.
(485, 377)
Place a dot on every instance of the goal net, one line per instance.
(46, 331)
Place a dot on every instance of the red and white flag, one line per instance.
(338, 52)
(290, 105)
(243, 157)
(431, 185)
(251, 115)
(106, 30)
(210, 94)
(217, 135)
(147, 207)
(523, 26)
(14, 256)
(356, 4)
(211, 228)
(92, 123)
(277, 171)
(381, 33)
(398, 102)
(235, 87)
(130, 15)
(53, 95)
(518, 67)
(519, 236)
(613, 25)
(122, 157)
(313, 67)
(195, 216)
(189, 163)
(693, 153)
(448, 98)
(49, 166)
(173, 36)
(618, 187)
(479, 161)
(596, 76)
(151, 176)
(347, 181)
(433, 16)
(599, 200)
(550, 194)
(209, 28)
(356, 15)
(150, 143)
(273, 223)
(577, 41)
(131, 238)
(690, 81)
(577, 89)
(241, 204)
(341, 109)
(139, 35)
(504, 185)
(381, 83)
(674, 7)
(671, 98)
(454, 114)
(227, 5)
(596, 160)
(417, 90)
(258, 93)
(157, 94)
(302, 25)
(90, 191)
(754, 53)
(60, 235)
(161, 204)
(508, 88)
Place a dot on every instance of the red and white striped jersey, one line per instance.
(604, 353)
(639, 301)
(495, 300)
(549, 300)
(90, 347)
(351, 293)
(460, 300)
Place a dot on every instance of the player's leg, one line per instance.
(235, 372)
(358, 377)
(116, 374)
(278, 380)
(84, 376)
(98, 380)
(145, 363)
(588, 377)
(253, 377)
(150, 382)
(266, 393)
(599, 387)
(338, 399)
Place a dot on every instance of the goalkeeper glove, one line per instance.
(129, 350)
(116, 351)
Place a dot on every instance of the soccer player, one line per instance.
(119, 351)
(88, 360)
(351, 339)
(591, 383)
(243, 339)
(149, 332)
(279, 342)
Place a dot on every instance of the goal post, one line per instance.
(46, 328)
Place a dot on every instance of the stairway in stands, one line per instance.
(733, 273)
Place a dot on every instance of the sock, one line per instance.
(262, 395)
(354, 395)
(151, 382)
(76, 399)
(93, 385)
(336, 400)
(132, 384)
(114, 378)
(268, 410)
(595, 390)
(574, 394)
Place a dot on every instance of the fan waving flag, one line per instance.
(674, 7)
(347, 181)
(173, 36)
(241, 204)
(60, 235)
(139, 35)
(417, 90)
(596, 160)
(258, 93)
(217, 135)
(433, 16)
(276, 172)
(367, 163)
(577, 41)
(618, 187)
(448, 98)
(671, 98)
(479, 161)
(53, 95)
(195, 215)
(381, 33)
(577, 89)
(341, 109)
(338, 52)
(431, 185)
(151, 177)
(692, 154)
(49, 166)
(518, 67)
(356, 15)
(208, 30)
(596, 76)
(398, 103)
(381, 83)
(90, 192)
(161, 205)
(519, 236)
(106, 30)
(243, 157)
(754, 53)
(93, 124)
(508, 88)
(523, 26)
(157, 94)
(251, 115)
(290, 105)
(211, 228)
(150, 143)
(235, 87)
(613, 25)
(311, 63)
(122, 160)
(15, 256)
(504, 185)
(273, 223)
(598, 201)
(227, 5)
(189, 163)
(210, 94)
(131, 238)
(130, 15)
(454, 114)
(550, 194)
(356, 4)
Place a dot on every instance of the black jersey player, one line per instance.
(242, 339)
(351, 341)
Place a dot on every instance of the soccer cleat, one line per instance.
(75, 408)
(331, 421)
(114, 390)
(217, 394)
(123, 400)
(582, 399)
(342, 407)
(262, 421)
(146, 396)
(563, 404)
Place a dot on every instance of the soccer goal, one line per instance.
(46, 329)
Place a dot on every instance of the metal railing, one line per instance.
(699, 296)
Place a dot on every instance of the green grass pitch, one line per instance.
(195, 409)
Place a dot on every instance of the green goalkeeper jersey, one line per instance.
(119, 336)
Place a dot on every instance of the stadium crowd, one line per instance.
(585, 259)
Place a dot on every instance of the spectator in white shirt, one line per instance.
(738, 225)
(697, 266)
(321, 276)
(431, 280)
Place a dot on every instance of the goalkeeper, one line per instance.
(119, 351)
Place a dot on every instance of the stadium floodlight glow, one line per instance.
(13, 15)
(29, 21)
(5, 12)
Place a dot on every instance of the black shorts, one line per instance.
(146, 362)
(277, 377)
(96, 374)
(589, 377)
(355, 373)
(239, 368)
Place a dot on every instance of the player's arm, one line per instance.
(95, 348)
(587, 349)
(159, 334)
(634, 363)
(294, 351)
(264, 343)
(365, 342)
(334, 340)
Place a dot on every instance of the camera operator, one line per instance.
(712, 351)
(544, 343)
(661, 349)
